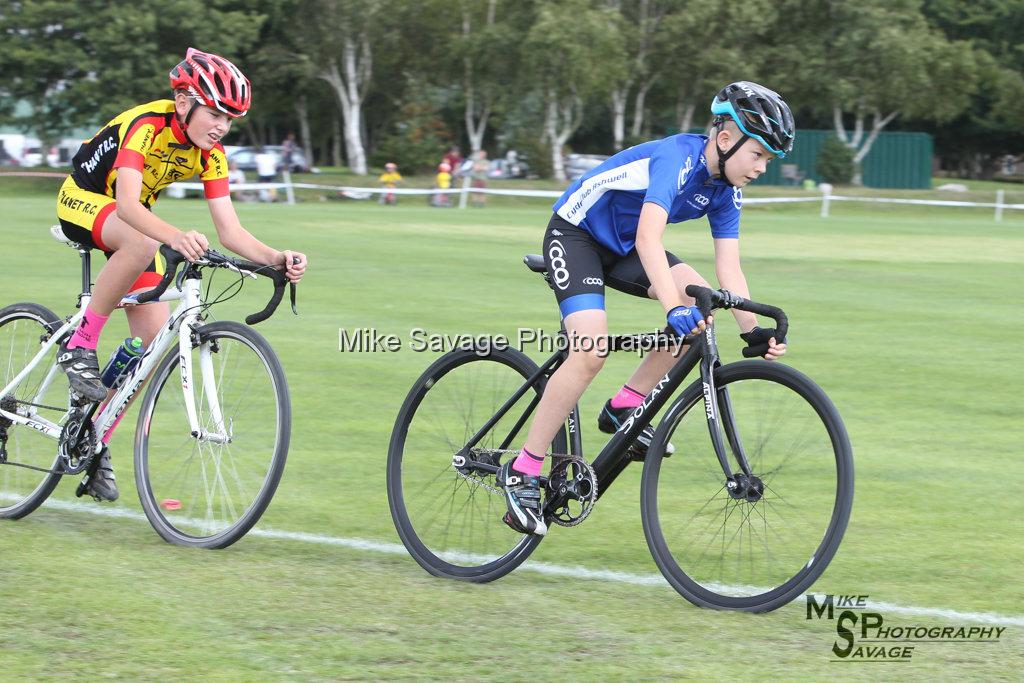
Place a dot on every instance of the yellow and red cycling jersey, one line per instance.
(390, 178)
(149, 139)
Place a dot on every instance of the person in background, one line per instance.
(236, 177)
(288, 153)
(479, 175)
(390, 179)
(453, 157)
(443, 181)
(266, 172)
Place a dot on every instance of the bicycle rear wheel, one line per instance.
(202, 492)
(40, 395)
(753, 553)
(450, 521)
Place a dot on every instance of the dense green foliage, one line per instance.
(835, 162)
(590, 74)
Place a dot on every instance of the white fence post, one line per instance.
(1000, 195)
(826, 197)
(464, 195)
(289, 191)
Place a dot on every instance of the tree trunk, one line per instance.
(638, 108)
(619, 97)
(560, 122)
(302, 112)
(856, 142)
(476, 122)
(684, 114)
(350, 84)
(336, 144)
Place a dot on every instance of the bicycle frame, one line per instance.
(613, 458)
(179, 329)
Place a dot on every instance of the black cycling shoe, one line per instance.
(522, 495)
(83, 371)
(102, 485)
(609, 421)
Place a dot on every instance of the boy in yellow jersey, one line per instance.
(390, 179)
(443, 181)
(106, 204)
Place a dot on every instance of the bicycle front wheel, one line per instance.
(449, 518)
(208, 490)
(759, 551)
(41, 395)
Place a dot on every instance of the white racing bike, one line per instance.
(214, 425)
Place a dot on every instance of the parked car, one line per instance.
(578, 164)
(245, 157)
(501, 168)
(33, 156)
(6, 159)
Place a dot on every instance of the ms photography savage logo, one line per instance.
(864, 636)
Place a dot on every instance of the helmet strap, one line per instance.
(183, 122)
(724, 155)
(191, 111)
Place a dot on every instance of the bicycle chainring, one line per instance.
(77, 443)
(571, 491)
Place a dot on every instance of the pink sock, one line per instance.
(628, 397)
(87, 336)
(528, 463)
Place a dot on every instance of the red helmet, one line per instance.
(214, 81)
(444, 167)
(390, 166)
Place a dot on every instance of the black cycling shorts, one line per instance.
(579, 267)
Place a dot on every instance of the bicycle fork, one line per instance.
(720, 417)
(188, 338)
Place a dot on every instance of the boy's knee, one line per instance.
(587, 362)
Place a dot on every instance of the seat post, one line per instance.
(86, 255)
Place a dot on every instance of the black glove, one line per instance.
(757, 341)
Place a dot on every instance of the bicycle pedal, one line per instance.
(512, 523)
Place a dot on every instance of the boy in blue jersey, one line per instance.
(607, 228)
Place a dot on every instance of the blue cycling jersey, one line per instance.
(671, 173)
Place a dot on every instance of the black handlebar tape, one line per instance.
(172, 259)
(781, 326)
(705, 298)
(271, 306)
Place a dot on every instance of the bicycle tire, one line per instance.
(178, 529)
(476, 563)
(760, 389)
(13, 479)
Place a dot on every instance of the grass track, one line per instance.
(909, 317)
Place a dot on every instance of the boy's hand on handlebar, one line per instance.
(687, 320)
(190, 244)
(294, 264)
(761, 335)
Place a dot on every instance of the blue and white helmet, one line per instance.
(759, 113)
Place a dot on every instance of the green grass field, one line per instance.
(909, 317)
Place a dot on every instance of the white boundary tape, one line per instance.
(547, 569)
(364, 193)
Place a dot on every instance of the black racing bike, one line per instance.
(745, 515)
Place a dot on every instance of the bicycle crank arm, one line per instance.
(467, 466)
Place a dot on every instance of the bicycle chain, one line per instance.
(561, 456)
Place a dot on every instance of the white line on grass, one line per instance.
(545, 568)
